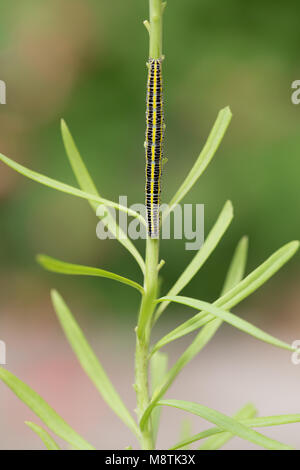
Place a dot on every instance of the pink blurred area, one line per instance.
(231, 371)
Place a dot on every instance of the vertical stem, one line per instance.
(143, 330)
(143, 338)
(156, 29)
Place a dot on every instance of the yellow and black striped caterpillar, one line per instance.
(155, 129)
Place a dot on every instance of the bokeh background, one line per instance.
(84, 60)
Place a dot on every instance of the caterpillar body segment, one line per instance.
(155, 129)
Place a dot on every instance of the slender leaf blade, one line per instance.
(232, 296)
(259, 276)
(237, 266)
(253, 281)
(219, 440)
(277, 420)
(44, 411)
(197, 321)
(90, 363)
(79, 169)
(158, 368)
(87, 184)
(225, 423)
(44, 436)
(260, 422)
(57, 266)
(197, 437)
(66, 188)
(202, 255)
(185, 433)
(230, 318)
(201, 339)
(214, 139)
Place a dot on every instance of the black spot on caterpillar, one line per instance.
(155, 129)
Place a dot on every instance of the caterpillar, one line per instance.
(155, 128)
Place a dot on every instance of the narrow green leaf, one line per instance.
(203, 318)
(219, 440)
(57, 266)
(223, 422)
(236, 294)
(237, 266)
(230, 318)
(239, 291)
(38, 405)
(231, 298)
(79, 169)
(158, 368)
(202, 255)
(185, 433)
(86, 184)
(266, 421)
(65, 188)
(203, 337)
(197, 437)
(90, 363)
(214, 139)
(259, 276)
(234, 275)
(201, 340)
(260, 422)
(44, 435)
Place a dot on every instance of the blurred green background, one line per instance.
(84, 60)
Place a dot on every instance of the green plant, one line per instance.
(149, 357)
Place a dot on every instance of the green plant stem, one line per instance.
(143, 333)
(156, 26)
(148, 303)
